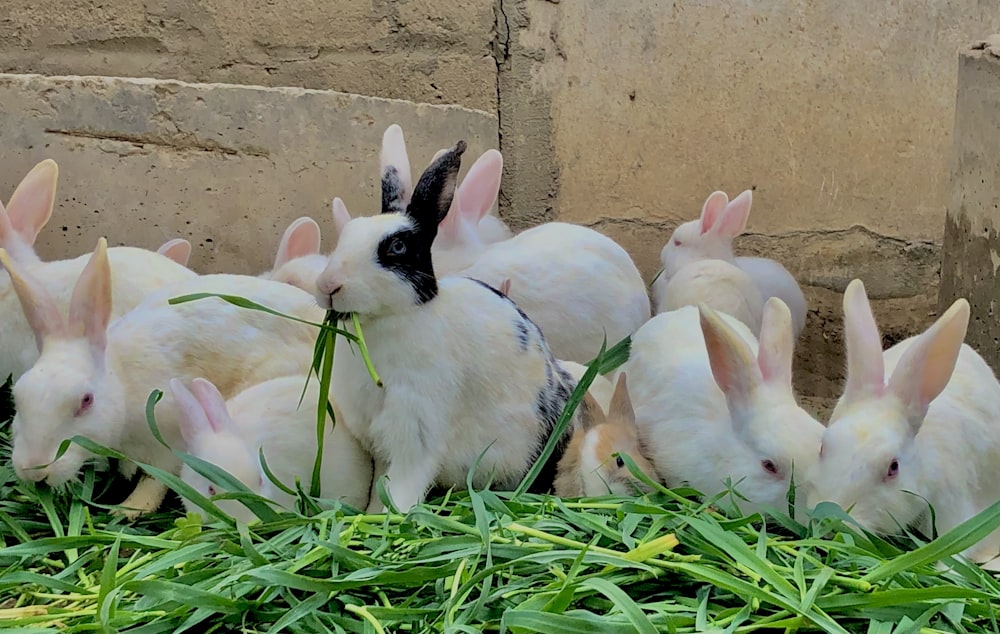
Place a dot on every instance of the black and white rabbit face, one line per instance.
(382, 264)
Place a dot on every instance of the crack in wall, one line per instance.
(178, 142)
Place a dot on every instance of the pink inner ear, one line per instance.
(732, 221)
(30, 206)
(302, 238)
(192, 420)
(711, 210)
(481, 186)
(213, 403)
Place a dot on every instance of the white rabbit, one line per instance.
(915, 425)
(589, 467)
(712, 404)
(268, 416)
(137, 271)
(719, 285)
(577, 284)
(601, 388)
(298, 260)
(711, 237)
(465, 373)
(178, 250)
(93, 379)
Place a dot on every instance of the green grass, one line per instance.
(469, 561)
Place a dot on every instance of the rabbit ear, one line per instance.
(39, 308)
(620, 410)
(213, 403)
(435, 190)
(90, 305)
(505, 287)
(591, 414)
(397, 183)
(193, 420)
(865, 367)
(731, 220)
(340, 215)
(178, 250)
(301, 238)
(777, 344)
(30, 206)
(481, 186)
(926, 367)
(733, 365)
(712, 209)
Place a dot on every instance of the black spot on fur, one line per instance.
(392, 192)
(407, 253)
(522, 334)
(549, 405)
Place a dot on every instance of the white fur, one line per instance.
(577, 284)
(711, 403)
(601, 388)
(268, 416)
(719, 285)
(298, 259)
(930, 402)
(456, 381)
(136, 271)
(122, 363)
(711, 237)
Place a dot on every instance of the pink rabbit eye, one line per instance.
(677, 242)
(893, 470)
(769, 466)
(85, 403)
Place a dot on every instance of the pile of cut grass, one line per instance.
(471, 561)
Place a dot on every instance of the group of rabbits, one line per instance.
(480, 336)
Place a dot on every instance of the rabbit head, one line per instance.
(28, 211)
(868, 461)
(69, 391)
(298, 260)
(211, 434)
(709, 237)
(178, 250)
(382, 264)
(589, 466)
(776, 439)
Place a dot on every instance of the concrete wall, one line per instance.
(972, 236)
(621, 115)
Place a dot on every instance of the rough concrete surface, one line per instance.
(226, 166)
(972, 233)
(422, 50)
(838, 115)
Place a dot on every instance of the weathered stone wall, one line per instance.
(972, 236)
(618, 115)
(228, 167)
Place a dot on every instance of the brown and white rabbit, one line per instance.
(589, 467)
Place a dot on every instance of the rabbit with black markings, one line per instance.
(93, 378)
(916, 425)
(465, 372)
(277, 418)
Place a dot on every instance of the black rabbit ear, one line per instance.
(434, 191)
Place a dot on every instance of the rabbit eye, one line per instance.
(211, 490)
(85, 403)
(769, 466)
(397, 247)
(893, 470)
(677, 242)
(620, 462)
